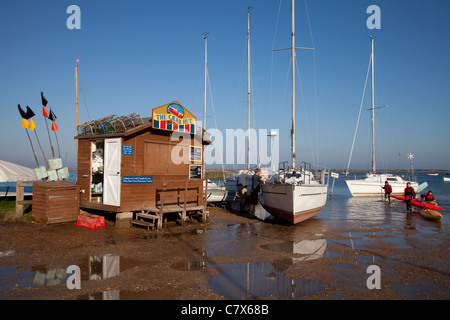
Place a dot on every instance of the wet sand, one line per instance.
(228, 257)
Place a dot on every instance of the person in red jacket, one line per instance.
(409, 195)
(429, 197)
(387, 190)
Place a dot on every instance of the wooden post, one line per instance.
(161, 210)
(183, 218)
(205, 192)
(19, 199)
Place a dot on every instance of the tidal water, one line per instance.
(348, 236)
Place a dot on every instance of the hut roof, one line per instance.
(122, 126)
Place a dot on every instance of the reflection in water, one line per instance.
(254, 281)
(103, 267)
(98, 267)
(305, 249)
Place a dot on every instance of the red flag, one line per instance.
(54, 126)
(44, 112)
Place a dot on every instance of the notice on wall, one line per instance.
(137, 179)
(196, 154)
(195, 172)
(127, 149)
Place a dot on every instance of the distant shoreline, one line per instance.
(218, 174)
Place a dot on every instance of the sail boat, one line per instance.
(294, 195)
(372, 183)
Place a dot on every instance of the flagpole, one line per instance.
(25, 116)
(44, 104)
(59, 152)
(31, 143)
(30, 115)
(39, 143)
(49, 139)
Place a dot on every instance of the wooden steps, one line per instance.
(151, 220)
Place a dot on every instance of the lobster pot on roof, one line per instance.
(127, 162)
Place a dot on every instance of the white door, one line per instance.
(111, 173)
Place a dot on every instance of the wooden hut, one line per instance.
(146, 165)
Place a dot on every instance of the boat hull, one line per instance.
(293, 203)
(431, 214)
(364, 187)
(216, 195)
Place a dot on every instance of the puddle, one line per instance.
(189, 265)
(305, 249)
(92, 268)
(255, 281)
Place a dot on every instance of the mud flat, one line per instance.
(228, 257)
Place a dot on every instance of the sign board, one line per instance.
(173, 117)
(196, 154)
(137, 179)
(195, 172)
(334, 175)
(127, 149)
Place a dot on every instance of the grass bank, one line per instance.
(8, 211)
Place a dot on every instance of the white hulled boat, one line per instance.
(294, 195)
(215, 193)
(372, 183)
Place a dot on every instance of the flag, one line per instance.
(52, 116)
(22, 113)
(32, 125)
(44, 104)
(54, 126)
(30, 113)
(24, 123)
(44, 101)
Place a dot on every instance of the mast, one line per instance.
(293, 85)
(204, 104)
(206, 72)
(373, 109)
(76, 91)
(248, 87)
(76, 99)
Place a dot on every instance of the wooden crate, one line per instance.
(55, 201)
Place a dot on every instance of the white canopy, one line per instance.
(10, 172)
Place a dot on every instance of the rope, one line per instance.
(359, 116)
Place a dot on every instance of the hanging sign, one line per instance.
(173, 117)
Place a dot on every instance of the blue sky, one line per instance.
(137, 55)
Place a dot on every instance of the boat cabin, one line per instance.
(128, 163)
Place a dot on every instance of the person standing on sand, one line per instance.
(255, 188)
(242, 189)
(387, 190)
(409, 195)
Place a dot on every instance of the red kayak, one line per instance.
(418, 204)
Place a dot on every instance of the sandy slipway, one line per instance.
(187, 262)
